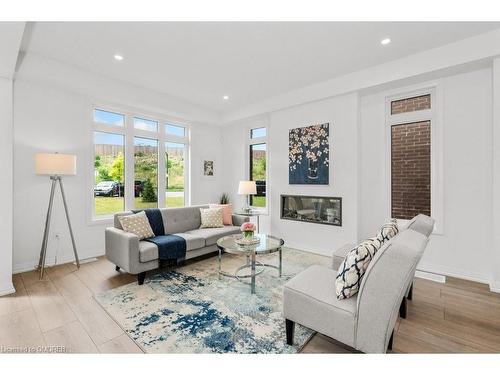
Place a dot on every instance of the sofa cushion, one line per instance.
(148, 251)
(211, 235)
(137, 224)
(353, 267)
(309, 300)
(181, 219)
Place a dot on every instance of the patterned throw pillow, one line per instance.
(388, 230)
(137, 224)
(211, 218)
(354, 267)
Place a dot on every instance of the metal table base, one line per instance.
(253, 264)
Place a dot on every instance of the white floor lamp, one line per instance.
(55, 165)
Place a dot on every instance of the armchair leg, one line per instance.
(403, 308)
(410, 293)
(391, 340)
(141, 277)
(290, 330)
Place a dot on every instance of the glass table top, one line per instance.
(249, 213)
(267, 244)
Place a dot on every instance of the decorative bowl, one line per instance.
(245, 241)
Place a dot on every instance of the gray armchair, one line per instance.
(365, 321)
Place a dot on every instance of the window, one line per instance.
(109, 118)
(411, 169)
(417, 103)
(148, 125)
(177, 131)
(109, 173)
(410, 123)
(175, 178)
(145, 173)
(258, 166)
(129, 171)
(258, 133)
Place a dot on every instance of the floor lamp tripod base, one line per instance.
(43, 252)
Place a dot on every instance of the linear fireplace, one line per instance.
(312, 209)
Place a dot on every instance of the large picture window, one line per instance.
(175, 177)
(146, 172)
(109, 173)
(128, 172)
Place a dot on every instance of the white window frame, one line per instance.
(435, 116)
(129, 132)
(256, 141)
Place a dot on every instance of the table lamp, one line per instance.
(55, 165)
(247, 188)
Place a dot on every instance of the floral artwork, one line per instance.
(309, 155)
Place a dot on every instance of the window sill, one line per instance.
(97, 221)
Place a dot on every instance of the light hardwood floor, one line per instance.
(456, 317)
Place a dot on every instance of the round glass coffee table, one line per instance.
(267, 245)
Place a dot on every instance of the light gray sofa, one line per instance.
(137, 257)
(365, 321)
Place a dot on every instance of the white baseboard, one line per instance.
(430, 276)
(51, 261)
(495, 287)
(7, 289)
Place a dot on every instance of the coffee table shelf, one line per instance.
(267, 245)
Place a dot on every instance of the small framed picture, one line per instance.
(208, 168)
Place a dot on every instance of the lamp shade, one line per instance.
(55, 164)
(247, 187)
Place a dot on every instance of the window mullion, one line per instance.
(129, 163)
(162, 170)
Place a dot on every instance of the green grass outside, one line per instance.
(110, 205)
(259, 201)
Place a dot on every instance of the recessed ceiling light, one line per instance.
(118, 57)
(225, 97)
(385, 41)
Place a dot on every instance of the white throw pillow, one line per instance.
(211, 217)
(354, 266)
(137, 224)
(388, 230)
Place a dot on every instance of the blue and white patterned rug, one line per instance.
(190, 310)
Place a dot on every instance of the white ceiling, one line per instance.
(201, 62)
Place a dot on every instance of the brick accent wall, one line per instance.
(411, 169)
(416, 103)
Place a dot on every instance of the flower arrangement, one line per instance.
(247, 229)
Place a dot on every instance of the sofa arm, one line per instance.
(239, 219)
(122, 249)
(339, 255)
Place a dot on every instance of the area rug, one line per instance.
(191, 310)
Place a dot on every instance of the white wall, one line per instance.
(50, 118)
(465, 246)
(6, 161)
(342, 114)
(495, 284)
(359, 172)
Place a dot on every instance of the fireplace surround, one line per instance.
(311, 209)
